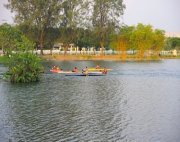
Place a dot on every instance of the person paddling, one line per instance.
(56, 68)
(104, 71)
(97, 67)
(85, 71)
(75, 69)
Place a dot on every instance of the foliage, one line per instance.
(106, 17)
(141, 38)
(3, 59)
(121, 42)
(37, 20)
(123, 37)
(44, 14)
(86, 38)
(23, 65)
(11, 39)
(158, 40)
(81, 38)
(172, 43)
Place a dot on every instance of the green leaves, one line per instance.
(11, 39)
(141, 38)
(24, 67)
(172, 43)
(106, 13)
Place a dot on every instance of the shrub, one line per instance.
(24, 67)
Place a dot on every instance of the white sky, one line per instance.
(162, 14)
(5, 15)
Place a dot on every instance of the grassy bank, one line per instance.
(3, 59)
(99, 57)
(170, 57)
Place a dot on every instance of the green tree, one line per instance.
(158, 41)
(106, 15)
(23, 65)
(172, 43)
(37, 14)
(71, 22)
(122, 41)
(11, 39)
(142, 38)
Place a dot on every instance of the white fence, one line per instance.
(88, 52)
(106, 52)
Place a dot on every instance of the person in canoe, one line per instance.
(85, 71)
(104, 71)
(98, 66)
(56, 68)
(75, 69)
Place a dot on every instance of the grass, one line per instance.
(3, 59)
(98, 57)
(106, 57)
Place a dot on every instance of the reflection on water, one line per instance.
(135, 102)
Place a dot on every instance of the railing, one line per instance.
(106, 52)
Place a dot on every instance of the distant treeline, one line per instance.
(127, 37)
(172, 43)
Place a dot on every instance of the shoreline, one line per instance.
(103, 58)
(129, 58)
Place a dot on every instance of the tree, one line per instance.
(106, 14)
(158, 40)
(121, 42)
(142, 38)
(11, 39)
(172, 43)
(38, 14)
(23, 65)
(72, 19)
(86, 38)
(6, 38)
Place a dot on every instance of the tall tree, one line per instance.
(158, 40)
(11, 39)
(172, 43)
(106, 13)
(121, 42)
(142, 38)
(37, 13)
(69, 22)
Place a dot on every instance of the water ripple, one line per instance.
(134, 102)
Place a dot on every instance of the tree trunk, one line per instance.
(102, 47)
(141, 51)
(123, 51)
(41, 41)
(65, 49)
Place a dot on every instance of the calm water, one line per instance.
(136, 102)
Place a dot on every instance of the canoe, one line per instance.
(85, 74)
(99, 69)
(55, 71)
(88, 74)
(62, 72)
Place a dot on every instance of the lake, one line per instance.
(135, 102)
